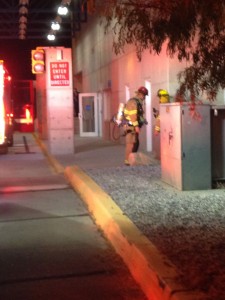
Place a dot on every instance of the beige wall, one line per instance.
(98, 69)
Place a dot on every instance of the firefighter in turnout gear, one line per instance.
(134, 115)
(163, 98)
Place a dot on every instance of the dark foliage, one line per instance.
(192, 29)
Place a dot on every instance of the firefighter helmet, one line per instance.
(163, 96)
(162, 92)
(143, 90)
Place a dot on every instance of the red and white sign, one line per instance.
(59, 74)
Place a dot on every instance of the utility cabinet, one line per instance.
(218, 142)
(185, 146)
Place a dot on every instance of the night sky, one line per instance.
(17, 55)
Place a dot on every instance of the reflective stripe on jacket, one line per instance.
(157, 123)
(133, 112)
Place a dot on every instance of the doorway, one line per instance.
(88, 115)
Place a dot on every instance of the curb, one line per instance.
(156, 275)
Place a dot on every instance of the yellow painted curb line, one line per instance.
(154, 273)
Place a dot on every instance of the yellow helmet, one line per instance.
(163, 96)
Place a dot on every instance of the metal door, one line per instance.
(196, 147)
(88, 114)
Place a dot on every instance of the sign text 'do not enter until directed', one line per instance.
(59, 74)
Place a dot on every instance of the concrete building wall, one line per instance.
(98, 69)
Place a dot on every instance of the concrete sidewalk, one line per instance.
(50, 247)
(156, 275)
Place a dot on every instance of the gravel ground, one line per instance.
(187, 226)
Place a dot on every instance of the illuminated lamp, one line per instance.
(63, 10)
(38, 61)
(55, 26)
(51, 37)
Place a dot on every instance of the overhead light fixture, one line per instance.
(51, 37)
(22, 31)
(23, 26)
(55, 26)
(63, 10)
(23, 10)
(23, 19)
(22, 36)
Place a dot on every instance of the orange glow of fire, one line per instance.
(28, 116)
